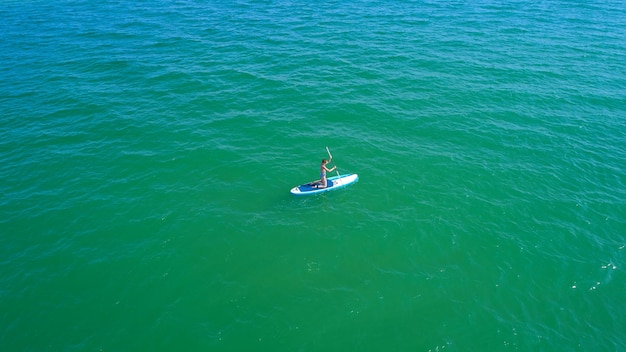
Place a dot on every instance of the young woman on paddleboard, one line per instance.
(322, 183)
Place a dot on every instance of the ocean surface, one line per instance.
(147, 150)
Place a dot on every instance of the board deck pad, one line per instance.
(308, 187)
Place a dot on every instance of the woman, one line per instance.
(322, 183)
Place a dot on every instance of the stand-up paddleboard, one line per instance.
(333, 183)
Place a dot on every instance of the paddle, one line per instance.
(331, 158)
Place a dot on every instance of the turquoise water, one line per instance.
(147, 150)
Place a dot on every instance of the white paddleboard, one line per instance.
(333, 183)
